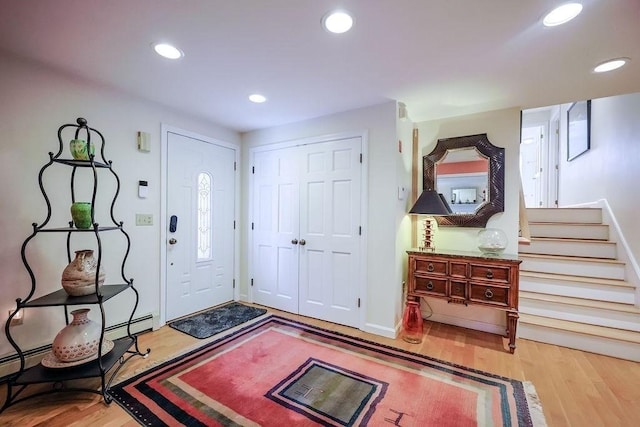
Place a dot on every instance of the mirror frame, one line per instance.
(495, 204)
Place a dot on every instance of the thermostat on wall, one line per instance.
(143, 189)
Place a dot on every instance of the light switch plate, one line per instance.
(144, 219)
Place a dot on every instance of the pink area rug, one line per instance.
(278, 372)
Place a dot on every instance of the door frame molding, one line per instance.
(165, 130)
(364, 203)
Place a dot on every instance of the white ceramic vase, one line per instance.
(79, 277)
(78, 340)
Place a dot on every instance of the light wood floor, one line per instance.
(576, 388)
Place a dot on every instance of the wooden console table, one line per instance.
(468, 278)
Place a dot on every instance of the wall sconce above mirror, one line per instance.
(469, 172)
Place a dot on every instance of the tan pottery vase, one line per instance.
(79, 277)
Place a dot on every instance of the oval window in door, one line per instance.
(204, 216)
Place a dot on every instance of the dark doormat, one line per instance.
(208, 323)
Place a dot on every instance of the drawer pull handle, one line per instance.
(489, 274)
(430, 285)
(488, 294)
(430, 267)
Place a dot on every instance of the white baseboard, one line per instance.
(381, 330)
(11, 363)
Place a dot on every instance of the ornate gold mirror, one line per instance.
(469, 172)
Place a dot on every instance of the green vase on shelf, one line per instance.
(81, 214)
(79, 151)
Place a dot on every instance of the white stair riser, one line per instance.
(588, 249)
(586, 216)
(565, 231)
(574, 267)
(590, 343)
(578, 290)
(575, 313)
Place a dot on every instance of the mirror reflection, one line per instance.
(469, 173)
(462, 176)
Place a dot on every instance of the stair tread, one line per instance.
(572, 223)
(581, 279)
(597, 304)
(571, 258)
(582, 328)
(572, 240)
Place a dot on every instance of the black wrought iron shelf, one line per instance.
(38, 374)
(60, 297)
(78, 230)
(82, 163)
(124, 348)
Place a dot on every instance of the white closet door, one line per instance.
(275, 226)
(330, 191)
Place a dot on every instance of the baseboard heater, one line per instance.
(11, 363)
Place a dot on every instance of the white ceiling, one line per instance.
(441, 58)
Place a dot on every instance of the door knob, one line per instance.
(294, 242)
(172, 241)
(303, 242)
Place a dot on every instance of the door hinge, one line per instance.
(358, 302)
(235, 166)
(253, 169)
(234, 224)
(252, 226)
(251, 282)
(360, 231)
(234, 283)
(360, 157)
(540, 203)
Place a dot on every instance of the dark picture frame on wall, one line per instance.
(578, 129)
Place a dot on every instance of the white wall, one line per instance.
(35, 102)
(403, 220)
(503, 130)
(383, 281)
(609, 169)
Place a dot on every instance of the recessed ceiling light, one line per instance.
(610, 65)
(562, 14)
(257, 98)
(168, 51)
(337, 22)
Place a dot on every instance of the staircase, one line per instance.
(573, 288)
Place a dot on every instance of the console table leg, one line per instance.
(512, 326)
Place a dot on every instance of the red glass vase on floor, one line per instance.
(412, 323)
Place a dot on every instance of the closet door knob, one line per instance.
(294, 242)
(172, 241)
(303, 242)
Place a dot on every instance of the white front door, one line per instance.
(200, 246)
(306, 229)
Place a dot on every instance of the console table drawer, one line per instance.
(430, 286)
(493, 273)
(458, 269)
(430, 266)
(493, 295)
(458, 289)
